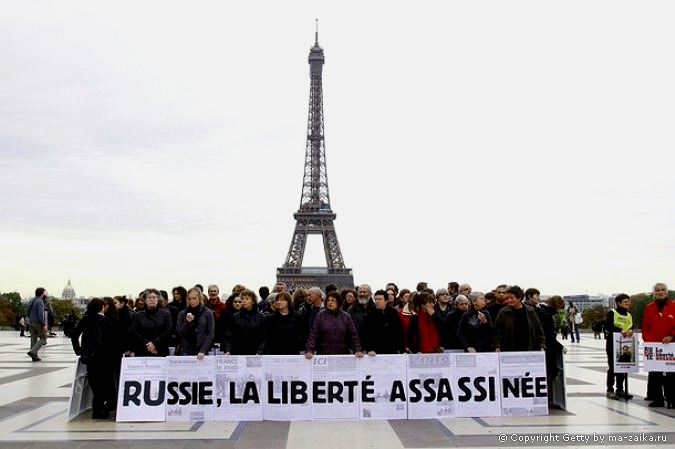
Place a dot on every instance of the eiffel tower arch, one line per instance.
(315, 215)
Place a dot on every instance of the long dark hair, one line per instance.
(183, 293)
(112, 310)
(95, 306)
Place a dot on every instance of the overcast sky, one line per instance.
(162, 144)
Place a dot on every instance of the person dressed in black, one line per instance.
(97, 352)
(118, 333)
(284, 328)
(450, 339)
(125, 315)
(309, 309)
(554, 349)
(177, 305)
(443, 313)
(69, 323)
(382, 328)
(151, 332)
(245, 335)
(476, 330)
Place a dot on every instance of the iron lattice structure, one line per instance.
(315, 215)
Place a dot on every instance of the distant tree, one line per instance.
(14, 300)
(62, 307)
(595, 313)
(7, 316)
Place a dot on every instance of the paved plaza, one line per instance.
(35, 399)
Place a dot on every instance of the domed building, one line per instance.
(68, 292)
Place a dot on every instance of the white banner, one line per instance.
(289, 388)
(625, 356)
(336, 390)
(479, 384)
(142, 392)
(285, 382)
(193, 399)
(659, 357)
(430, 386)
(523, 380)
(378, 374)
(238, 388)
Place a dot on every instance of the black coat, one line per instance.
(174, 308)
(151, 325)
(358, 313)
(284, 334)
(554, 348)
(383, 332)
(104, 352)
(98, 350)
(246, 333)
(308, 314)
(222, 325)
(445, 332)
(125, 317)
(474, 334)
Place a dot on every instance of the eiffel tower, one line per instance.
(315, 215)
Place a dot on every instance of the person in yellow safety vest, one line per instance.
(617, 320)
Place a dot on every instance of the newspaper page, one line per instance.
(478, 386)
(378, 375)
(238, 388)
(286, 388)
(190, 388)
(335, 388)
(142, 390)
(429, 388)
(523, 383)
(625, 356)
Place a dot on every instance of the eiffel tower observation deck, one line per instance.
(315, 215)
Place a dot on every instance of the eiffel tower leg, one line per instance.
(332, 249)
(297, 250)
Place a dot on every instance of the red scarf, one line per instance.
(428, 333)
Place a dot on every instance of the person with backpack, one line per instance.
(97, 351)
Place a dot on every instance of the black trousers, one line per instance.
(101, 376)
(620, 378)
(661, 387)
(655, 382)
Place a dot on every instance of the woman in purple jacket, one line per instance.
(333, 331)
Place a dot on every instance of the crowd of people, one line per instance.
(317, 321)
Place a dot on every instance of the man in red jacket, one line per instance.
(658, 326)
